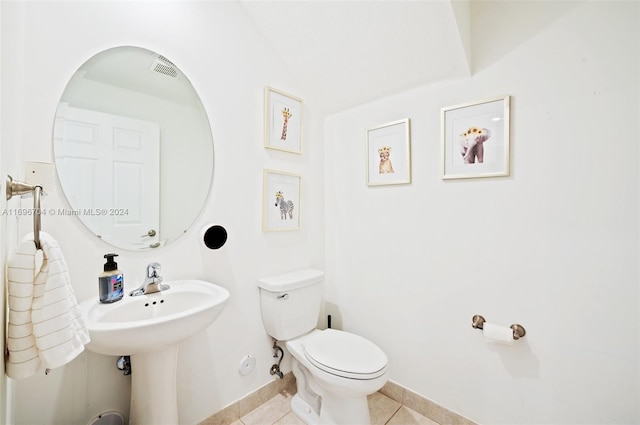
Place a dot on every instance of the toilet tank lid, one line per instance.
(291, 280)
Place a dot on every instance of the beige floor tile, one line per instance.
(227, 416)
(393, 391)
(381, 408)
(406, 416)
(270, 412)
(257, 398)
(290, 419)
(383, 411)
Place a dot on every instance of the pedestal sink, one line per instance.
(148, 328)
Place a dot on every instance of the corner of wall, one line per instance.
(462, 14)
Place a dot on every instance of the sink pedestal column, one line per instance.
(153, 388)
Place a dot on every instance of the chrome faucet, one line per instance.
(152, 282)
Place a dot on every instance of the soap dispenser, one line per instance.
(111, 281)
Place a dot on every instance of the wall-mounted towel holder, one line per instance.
(14, 188)
(477, 322)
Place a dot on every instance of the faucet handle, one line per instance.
(153, 270)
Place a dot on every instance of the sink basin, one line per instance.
(153, 322)
(148, 328)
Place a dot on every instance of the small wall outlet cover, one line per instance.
(247, 364)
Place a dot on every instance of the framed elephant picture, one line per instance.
(475, 139)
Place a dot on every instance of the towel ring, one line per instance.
(14, 188)
(37, 224)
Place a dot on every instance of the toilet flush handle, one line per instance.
(283, 297)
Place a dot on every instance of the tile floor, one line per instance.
(383, 410)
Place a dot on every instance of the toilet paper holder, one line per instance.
(477, 322)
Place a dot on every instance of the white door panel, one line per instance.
(112, 164)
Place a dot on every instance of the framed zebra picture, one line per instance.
(282, 121)
(280, 201)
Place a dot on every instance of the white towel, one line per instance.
(23, 360)
(45, 326)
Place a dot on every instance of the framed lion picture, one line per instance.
(389, 153)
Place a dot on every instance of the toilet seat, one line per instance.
(345, 354)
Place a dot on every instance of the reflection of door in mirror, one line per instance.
(111, 174)
(123, 81)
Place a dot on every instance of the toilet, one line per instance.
(335, 370)
(107, 418)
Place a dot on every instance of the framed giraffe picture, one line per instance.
(280, 201)
(282, 121)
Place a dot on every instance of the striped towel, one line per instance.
(45, 327)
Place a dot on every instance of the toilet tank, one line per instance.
(290, 302)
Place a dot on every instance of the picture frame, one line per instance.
(280, 201)
(475, 139)
(282, 121)
(389, 153)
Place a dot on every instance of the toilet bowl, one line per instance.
(342, 369)
(335, 370)
(107, 418)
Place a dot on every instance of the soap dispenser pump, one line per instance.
(110, 281)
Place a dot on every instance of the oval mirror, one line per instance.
(133, 148)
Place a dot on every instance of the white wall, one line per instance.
(43, 43)
(5, 414)
(553, 247)
(9, 158)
